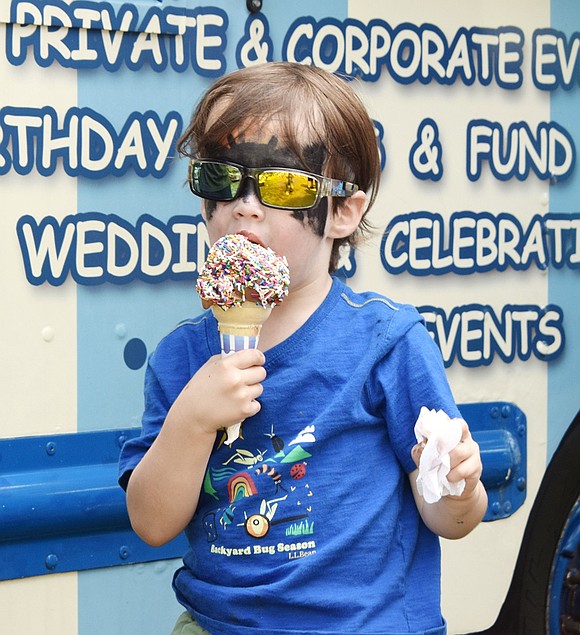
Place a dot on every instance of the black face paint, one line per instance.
(316, 217)
(257, 155)
(209, 207)
(263, 155)
(314, 156)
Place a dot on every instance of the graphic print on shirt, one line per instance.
(263, 496)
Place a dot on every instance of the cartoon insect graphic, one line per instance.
(298, 470)
(258, 525)
(245, 457)
(227, 517)
(271, 472)
(277, 442)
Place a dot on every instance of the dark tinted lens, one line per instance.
(215, 180)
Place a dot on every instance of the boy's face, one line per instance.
(299, 235)
(269, 153)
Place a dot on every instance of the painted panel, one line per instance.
(564, 197)
(74, 353)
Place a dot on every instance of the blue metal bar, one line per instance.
(58, 501)
(501, 456)
(62, 510)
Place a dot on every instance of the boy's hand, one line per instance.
(455, 516)
(222, 392)
(162, 501)
(465, 461)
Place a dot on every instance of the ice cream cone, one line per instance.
(241, 280)
(239, 328)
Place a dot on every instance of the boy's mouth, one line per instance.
(251, 237)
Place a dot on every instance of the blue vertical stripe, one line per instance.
(138, 600)
(564, 284)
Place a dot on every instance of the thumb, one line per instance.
(416, 452)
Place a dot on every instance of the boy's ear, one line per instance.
(346, 217)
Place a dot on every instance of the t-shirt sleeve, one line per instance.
(411, 375)
(156, 408)
(169, 369)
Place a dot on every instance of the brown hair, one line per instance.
(310, 106)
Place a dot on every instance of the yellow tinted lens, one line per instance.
(283, 188)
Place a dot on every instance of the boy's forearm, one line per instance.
(452, 517)
(164, 488)
(455, 517)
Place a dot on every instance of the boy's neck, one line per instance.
(293, 312)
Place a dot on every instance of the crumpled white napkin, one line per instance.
(440, 435)
(233, 433)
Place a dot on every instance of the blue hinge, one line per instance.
(500, 429)
(62, 510)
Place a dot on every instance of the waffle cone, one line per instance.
(244, 320)
(239, 329)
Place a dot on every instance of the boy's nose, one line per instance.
(247, 187)
(247, 201)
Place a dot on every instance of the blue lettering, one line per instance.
(550, 152)
(555, 59)
(92, 34)
(422, 243)
(474, 334)
(94, 248)
(86, 143)
(408, 52)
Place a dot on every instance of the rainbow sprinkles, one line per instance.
(237, 270)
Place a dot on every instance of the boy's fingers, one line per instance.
(465, 433)
(246, 358)
(416, 452)
(465, 461)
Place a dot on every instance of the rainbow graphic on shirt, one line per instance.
(241, 485)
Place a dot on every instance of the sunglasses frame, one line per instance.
(326, 185)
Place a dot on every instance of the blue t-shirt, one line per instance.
(307, 524)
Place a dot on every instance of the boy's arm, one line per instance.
(455, 516)
(164, 488)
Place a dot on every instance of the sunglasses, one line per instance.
(280, 188)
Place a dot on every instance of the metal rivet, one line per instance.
(47, 333)
(495, 508)
(506, 411)
(124, 552)
(521, 483)
(121, 440)
(253, 6)
(507, 507)
(121, 330)
(494, 412)
(51, 448)
(51, 561)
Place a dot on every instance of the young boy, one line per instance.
(311, 522)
